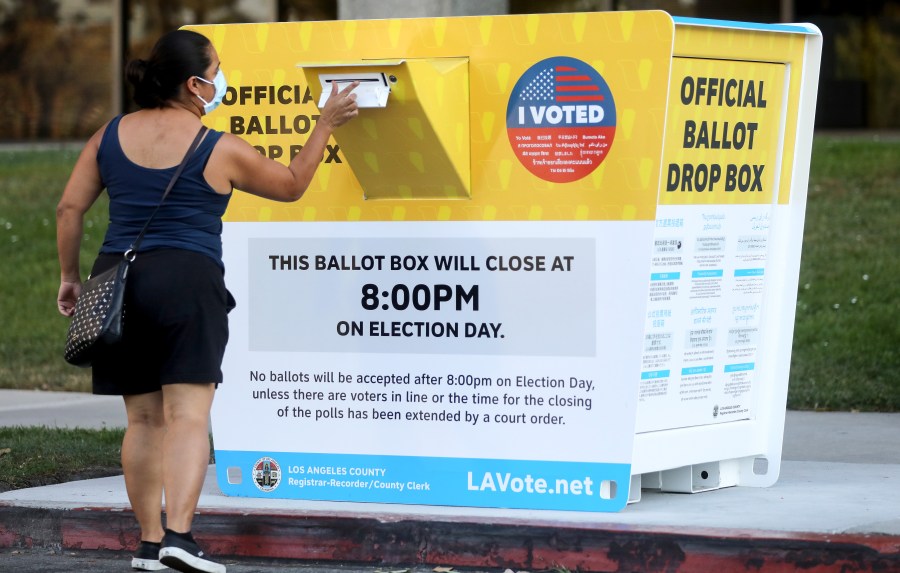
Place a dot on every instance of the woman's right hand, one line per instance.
(341, 106)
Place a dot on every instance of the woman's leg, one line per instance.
(141, 451)
(185, 456)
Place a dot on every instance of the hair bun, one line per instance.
(135, 71)
(146, 86)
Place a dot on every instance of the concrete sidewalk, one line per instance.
(836, 505)
(60, 410)
(808, 436)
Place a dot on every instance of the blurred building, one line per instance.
(61, 61)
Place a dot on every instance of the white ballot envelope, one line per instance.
(372, 91)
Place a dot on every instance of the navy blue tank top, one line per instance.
(190, 218)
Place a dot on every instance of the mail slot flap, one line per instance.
(374, 77)
(413, 141)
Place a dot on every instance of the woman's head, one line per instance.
(176, 57)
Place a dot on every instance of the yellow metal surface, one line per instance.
(275, 108)
(417, 147)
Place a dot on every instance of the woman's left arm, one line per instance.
(82, 189)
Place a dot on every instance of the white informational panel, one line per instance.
(450, 364)
(703, 316)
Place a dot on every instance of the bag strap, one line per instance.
(131, 253)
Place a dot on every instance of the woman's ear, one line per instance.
(192, 87)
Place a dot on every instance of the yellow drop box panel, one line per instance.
(411, 140)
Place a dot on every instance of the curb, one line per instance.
(383, 540)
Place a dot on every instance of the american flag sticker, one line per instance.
(561, 119)
(562, 83)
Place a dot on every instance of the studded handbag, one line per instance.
(99, 311)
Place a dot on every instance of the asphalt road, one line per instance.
(56, 561)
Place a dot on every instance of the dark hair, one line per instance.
(176, 56)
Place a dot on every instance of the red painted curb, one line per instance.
(467, 543)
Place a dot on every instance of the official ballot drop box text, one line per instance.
(554, 260)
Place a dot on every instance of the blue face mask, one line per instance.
(221, 86)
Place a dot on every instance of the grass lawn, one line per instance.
(37, 456)
(847, 332)
(33, 333)
(32, 457)
(846, 353)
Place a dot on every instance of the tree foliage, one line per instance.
(50, 87)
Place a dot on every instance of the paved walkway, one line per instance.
(60, 410)
(836, 504)
(808, 436)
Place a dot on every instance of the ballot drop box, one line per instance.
(552, 262)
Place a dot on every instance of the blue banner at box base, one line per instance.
(415, 480)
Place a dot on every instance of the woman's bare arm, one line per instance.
(258, 175)
(81, 191)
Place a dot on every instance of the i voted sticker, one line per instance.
(561, 119)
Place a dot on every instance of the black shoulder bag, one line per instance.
(98, 319)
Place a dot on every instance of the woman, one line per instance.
(169, 362)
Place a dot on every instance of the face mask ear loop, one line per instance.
(206, 81)
(209, 106)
